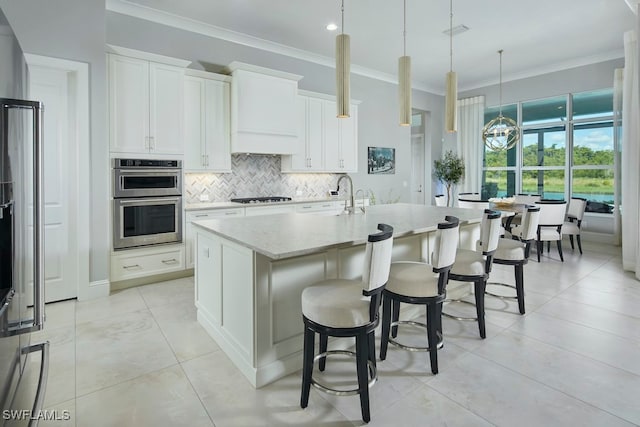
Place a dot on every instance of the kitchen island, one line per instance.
(250, 273)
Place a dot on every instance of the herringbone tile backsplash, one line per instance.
(255, 176)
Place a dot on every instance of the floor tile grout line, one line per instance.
(575, 352)
(551, 386)
(197, 394)
(428, 384)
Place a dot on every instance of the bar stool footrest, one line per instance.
(412, 348)
(373, 373)
(451, 316)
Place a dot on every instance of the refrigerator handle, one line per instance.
(43, 347)
(38, 220)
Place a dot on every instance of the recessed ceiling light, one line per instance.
(332, 27)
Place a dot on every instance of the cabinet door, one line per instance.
(315, 130)
(331, 137)
(217, 122)
(166, 93)
(194, 124)
(189, 232)
(128, 104)
(349, 141)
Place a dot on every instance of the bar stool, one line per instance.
(414, 283)
(475, 266)
(347, 308)
(515, 251)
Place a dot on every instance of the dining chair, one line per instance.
(526, 199)
(469, 196)
(440, 199)
(552, 214)
(571, 226)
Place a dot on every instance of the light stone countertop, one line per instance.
(226, 205)
(287, 235)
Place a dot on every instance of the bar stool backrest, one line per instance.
(576, 208)
(530, 220)
(446, 244)
(377, 259)
(489, 232)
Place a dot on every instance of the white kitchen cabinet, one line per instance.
(310, 138)
(340, 139)
(145, 106)
(315, 207)
(329, 144)
(199, 216)
(263, 110)
(206, 122)
(141, 262)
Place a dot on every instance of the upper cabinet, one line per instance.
(145, 103)
(263, 110)
(207, 146)
(328, 144)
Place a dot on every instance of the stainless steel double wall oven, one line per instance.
(147, 202)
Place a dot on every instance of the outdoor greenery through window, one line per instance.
(566, 150)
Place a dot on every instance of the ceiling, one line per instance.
(537, 36)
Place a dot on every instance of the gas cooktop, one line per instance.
(270, 199)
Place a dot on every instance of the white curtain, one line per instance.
(469, 143)
(630, 156)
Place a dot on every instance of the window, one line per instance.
(566, 149)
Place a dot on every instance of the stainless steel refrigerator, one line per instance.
(21, 239)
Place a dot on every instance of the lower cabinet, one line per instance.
(135, 263)
(199, 216)
(269, 210)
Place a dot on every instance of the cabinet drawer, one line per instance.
(269, 210)
(217, 213)
(318, 207)
(136, 263)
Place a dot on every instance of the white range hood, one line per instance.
(263, 110)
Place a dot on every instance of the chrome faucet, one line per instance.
(350, 209)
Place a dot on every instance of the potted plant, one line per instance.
(450, 171)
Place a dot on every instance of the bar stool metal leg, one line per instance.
(307, 366)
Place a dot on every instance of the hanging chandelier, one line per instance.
(501, 133)
(404, 78)
(451, 96)
(343, 72)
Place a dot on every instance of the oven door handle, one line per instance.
(147, 201)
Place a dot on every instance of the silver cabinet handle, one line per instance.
(207, 157)
(231, 213)
(306, 207)
(327, 206)
(152, 142)
(170, 261)
(202, 160)
(201, 215)
(126, 267)
(42, 378)
(146, 201)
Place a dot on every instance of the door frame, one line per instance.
(79, 143)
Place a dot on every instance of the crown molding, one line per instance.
(125, 7)
(551, 68)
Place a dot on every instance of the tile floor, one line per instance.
(139, 358)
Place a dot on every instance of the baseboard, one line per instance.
(97, 289)
(132, 283)
(591, 236)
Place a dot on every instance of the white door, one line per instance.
(51, 87)
(417, 169)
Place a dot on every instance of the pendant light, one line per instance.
(343, 65)
(501, 133)
(404, 77)
(451, 96)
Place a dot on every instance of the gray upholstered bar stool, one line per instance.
(515, 251)
(347, 308)
(475, 265)
(416, 283)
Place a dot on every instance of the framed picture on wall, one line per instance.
(381, 160)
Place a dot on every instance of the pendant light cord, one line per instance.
(404, 30)
(451, 35)
(500, 52)
(342, 11)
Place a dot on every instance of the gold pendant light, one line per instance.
(451, 96)
(501, 133)
(404, 78)
(343, 73)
